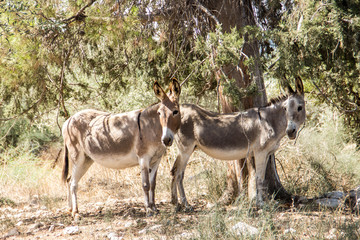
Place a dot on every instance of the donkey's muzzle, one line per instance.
(291, 133)
(167, 141)
(168, 137)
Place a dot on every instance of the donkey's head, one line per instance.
(169, 111)
(295, 108)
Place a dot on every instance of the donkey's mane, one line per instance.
(277, 99)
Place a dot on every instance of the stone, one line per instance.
(242, 228)
(289, 230)
(155, 227)
(36, 226)
(331, 234)
(113, 236)
(51, 228)
(11, 233)
(19, 223)
(334, 195)
(128, 224)
(72, 230)
(186, 235)
(329, 202)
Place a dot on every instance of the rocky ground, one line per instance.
(125, 219)
(113, 219)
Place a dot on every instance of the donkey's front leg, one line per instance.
(251, 178)
(144, 166)
(177, 172)
(260, 166)
(153, 173)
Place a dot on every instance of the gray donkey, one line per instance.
(253, 134)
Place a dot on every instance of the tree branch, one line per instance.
(334, 104)
(80, 15)
(26, 110)
(207, 12)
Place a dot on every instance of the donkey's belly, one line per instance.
(116, 161)
(225, 154)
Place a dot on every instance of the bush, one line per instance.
(28, 135)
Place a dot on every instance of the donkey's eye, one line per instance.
(300, 108)
(175, 112)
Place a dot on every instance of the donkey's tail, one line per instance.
(65, 170)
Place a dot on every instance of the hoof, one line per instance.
(76, 217)
(260, 203)
(152, 212)
(186, 209)
(178, 208)
(68, 211)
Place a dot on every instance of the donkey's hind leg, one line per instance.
(81, 164)
(177, 172)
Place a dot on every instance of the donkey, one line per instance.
(255, 133)
(121, 141)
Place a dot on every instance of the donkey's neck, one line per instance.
(149, 117)
(275, 115)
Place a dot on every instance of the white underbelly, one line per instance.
(116, 161)
(225, 154)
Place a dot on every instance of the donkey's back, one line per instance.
(222, 136)
(104, 137)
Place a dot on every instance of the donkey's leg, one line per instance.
(252, 178)
(69, 195)
(144, 166)
(260, 166)
(153, 173)
(178, 171)
(80, 165)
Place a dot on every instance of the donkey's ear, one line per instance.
(287, 87)
(299, 86)
(159, 92)
(175, 89)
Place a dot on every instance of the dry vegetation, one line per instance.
(33, 200)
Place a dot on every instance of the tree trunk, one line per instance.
(239, 14)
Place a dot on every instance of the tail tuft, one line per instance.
(65, 170)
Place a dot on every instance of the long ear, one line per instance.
(175, 89)
(299, 86)
(159, 92)
(287, 87)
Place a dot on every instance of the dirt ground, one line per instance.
(113, 219)
(125, 219)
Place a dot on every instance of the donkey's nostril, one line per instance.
(290, 131)
(167, 141)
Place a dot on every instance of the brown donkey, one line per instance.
(121, 141)
(253, 134)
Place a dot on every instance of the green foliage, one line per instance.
(218, 50)
(320, 41)
(26, 134)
